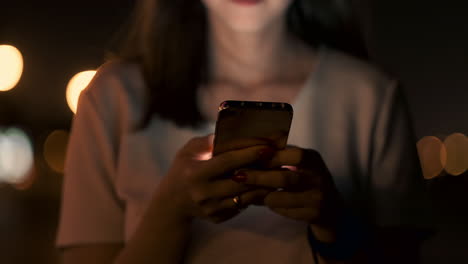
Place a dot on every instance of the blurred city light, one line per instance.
(457, 152)
(77, 84)
(28, 180)
(16, 156)
(432, 155)
(54, 150)
(11, 67)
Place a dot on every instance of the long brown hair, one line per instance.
(168, 39)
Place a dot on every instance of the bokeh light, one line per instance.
(55, 148)
(16, 156)
(11, 67)
(28, 180)
(457, 151)
(432, 155)
(77, 84)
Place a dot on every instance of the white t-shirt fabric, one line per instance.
(347, 110)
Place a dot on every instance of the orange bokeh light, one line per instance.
(76, 85)
(54, 150)
(457, 152)
(432, 155)
(11, 67)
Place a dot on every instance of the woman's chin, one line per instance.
(248, 24)
(247, 16)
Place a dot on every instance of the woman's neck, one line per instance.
(255, 58)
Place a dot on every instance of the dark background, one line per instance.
(423, 44)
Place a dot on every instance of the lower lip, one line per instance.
(247, 2)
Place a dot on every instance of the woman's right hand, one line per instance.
(196, 185)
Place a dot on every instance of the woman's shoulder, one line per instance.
(349, 65)
(117, 77)
(118, 89)
(355, 78)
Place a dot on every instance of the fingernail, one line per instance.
(239, 177)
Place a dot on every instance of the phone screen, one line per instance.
(243, 124)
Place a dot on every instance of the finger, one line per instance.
(254, 197)
(270, 178)
(224, 188)
(297, 180)
(198, 145)
(246, 199)
(298, 157)
(222, 145)
(291, 156)
(231, 160)
(284, 199)
(300, 214)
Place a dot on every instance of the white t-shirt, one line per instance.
(347, 110)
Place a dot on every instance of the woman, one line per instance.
(140, 186)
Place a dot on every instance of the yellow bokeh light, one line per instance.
(54, 150)
(16, 156)
(457, 150)
(11, 67)
(77, 84)
(432, 155)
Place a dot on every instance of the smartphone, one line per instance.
(243, 124)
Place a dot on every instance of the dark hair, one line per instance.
(168, 39)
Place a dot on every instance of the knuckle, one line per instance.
(298, 153)
(198, 196)
(186, 172)
(209, 211)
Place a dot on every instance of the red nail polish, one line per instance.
(239, 177)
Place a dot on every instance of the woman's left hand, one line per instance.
(302, 188)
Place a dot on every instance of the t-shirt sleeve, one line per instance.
(91, 212)
(399, 192)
